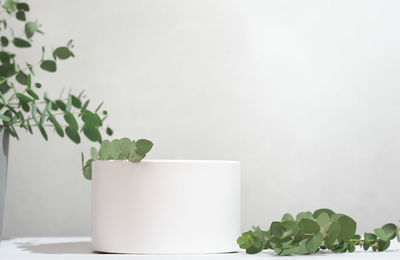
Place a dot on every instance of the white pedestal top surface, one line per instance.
(81, 248)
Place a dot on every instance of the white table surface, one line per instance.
(80, 248)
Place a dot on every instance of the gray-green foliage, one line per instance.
(310, 232)
(20, 103)
(117, 149)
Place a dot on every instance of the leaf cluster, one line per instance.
(21, 106)
(117, 149)
(310, 232)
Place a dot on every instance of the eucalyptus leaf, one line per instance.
(21, 43)
(125, 146)
(304, 215)
(115, 149)
(109, 131)
(287, 216)
(313, 244)
(309, 226)
(333, 233)
(87, 169)
(383, 245)
(57, 126)
(348, 227)
(20, 15)
(4, 41)
(380, 233)
(43, 132)
(277, 229)
(30, 29)
(92, 133)
(390, 230)
(323, 210)
(70, 119)
(63, 53)
(73, 135)
(5, 118)
(105, 150)
(143, 146)
(48, 65)
(94, 153)
(323, 220)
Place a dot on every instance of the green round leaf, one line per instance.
(390, 230)
(105, 150)
(333, 233)
(57, 126)
(4, 41)
(244, 242)
(383, 245)
(22, 78)
(70, 119)
(304, 215)
(323, 210)
(335, 217)
(5, 118)
(20, 15)
(63, 53)
(143, 146)
(94, 153)
(10, 6)
(91, 118)
(21, 43)
(381, 234)
(125, 146)
(109, 131)
(76, 102)
(22, 6)
(348, 227)
(73, 134)
(291, 228)
(277, 229)
(115, 149)
(30, 29)
(323, 220)
(309, 226)
(366, 245)
(87, 169)
(48, 65)
(314, 243)
(351, 248)
(92, 133)
(287, 216)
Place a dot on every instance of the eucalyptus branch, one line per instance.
(23, 107)
(311, 232)
(117, 149)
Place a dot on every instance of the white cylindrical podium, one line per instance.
(165, 206)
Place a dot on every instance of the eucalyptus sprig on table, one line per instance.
(310, 232)
(20, 104)
(117, 149)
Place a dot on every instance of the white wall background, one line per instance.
(304, 93)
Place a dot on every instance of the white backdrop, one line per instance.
(304, 93)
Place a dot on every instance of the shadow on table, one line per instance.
(58, 248)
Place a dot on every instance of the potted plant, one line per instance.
(21, 106)
(161, 206)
